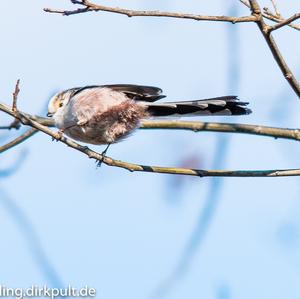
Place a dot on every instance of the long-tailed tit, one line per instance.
(106, 114)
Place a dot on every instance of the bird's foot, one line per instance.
(99, 162)
(58, 135)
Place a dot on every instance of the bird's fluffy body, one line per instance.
(107, 114)
(99, 115)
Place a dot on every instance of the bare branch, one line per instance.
(27, 120)
(292, 134)
(284, 22)
(46, 121)
(286, 71)
(197, 126)
(257, 16)
(277, 13)
(18, 140)
(88, 7)
(265, 30)
(270, 16)
(254, 6)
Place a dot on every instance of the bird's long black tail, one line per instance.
(227, 105)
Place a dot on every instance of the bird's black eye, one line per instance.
(60, 104)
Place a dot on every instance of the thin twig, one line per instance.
(256, 16)
(143, 13)
(270, 16)
(26, 120)
(16, 123)
(285, 22)
(15, 95)
(18, 140)
(265, 30)
(46, 121)
(89, 7)
(277, 13)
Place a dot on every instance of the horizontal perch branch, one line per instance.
(293, 134)
(88, 6)
(26, 119)
(197, 126)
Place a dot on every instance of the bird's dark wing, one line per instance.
(138, 92)
(135, 92)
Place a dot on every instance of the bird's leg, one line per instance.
(103, 154)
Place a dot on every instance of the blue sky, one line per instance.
(65, 222)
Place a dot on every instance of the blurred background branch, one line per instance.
(22, 221)
(18, 140)
(207, 212)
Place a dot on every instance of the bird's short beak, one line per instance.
(49, 114)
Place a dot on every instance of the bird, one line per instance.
(106, 114)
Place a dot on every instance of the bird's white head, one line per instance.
(58, 102)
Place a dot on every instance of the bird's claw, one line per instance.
(103, 154)
(58, 135)
(99, 162)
